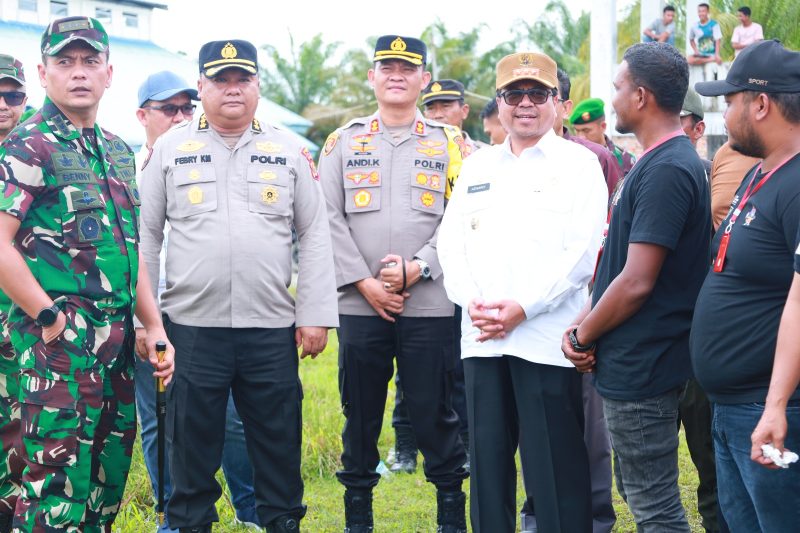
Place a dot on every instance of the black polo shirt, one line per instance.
(664, 201)
(735, 327)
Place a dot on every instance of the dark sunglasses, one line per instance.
(171, 109)
(515, 96)
(13, 97)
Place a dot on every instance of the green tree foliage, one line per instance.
(303, 79)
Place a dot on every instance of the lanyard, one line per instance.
(719, 262)
(662, 140)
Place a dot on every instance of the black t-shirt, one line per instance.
(664, 200)
(738, 312)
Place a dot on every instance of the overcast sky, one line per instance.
(187, 24)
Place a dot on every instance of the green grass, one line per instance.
(403, 503)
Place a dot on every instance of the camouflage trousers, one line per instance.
(11, 463)
(78, 427)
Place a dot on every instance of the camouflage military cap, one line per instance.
(587, 111)
(443, 90)
(64, 31)
(11, 68)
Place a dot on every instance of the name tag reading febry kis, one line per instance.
(478, 188)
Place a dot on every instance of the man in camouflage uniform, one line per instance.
(69, 262)
(589, 120)
(12, 103)
(386, 179)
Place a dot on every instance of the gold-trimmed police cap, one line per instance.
(527, 66)
(443, 90)
(396, 47)
(219, 55)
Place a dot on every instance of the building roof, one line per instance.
(133, 60)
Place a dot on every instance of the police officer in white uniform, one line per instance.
(386, 179)
(231, 189)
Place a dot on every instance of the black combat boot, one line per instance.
(196, 529)
(284, 524)
(5, 522)
(465, 440)
(405, 446)
(358, 511)
(450, 517)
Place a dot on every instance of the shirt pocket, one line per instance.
(84, 223)
(427, 192)
(269, 191)
(195, 190)
(362, 190)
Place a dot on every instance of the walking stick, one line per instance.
(161, 413)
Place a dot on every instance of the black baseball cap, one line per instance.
(765, 67)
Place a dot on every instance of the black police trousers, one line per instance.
(426, 363)
(260, 366)
(459, 393)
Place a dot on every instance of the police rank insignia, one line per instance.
(374, 126)
(267, 175)
(420, 127)
(190, 146)
(305, 153)
(269, 194)
(362, 198)
(430, 152)
(427, 199)
(330, 143)
(195, 195)
(269, 147)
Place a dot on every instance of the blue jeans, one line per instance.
(235, 462)
(644, 434)
(752, 497)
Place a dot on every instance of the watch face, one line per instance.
(47, 317)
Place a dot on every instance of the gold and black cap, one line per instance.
(396, 47)
(216, 56)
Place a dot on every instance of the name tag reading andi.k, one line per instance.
(478, 188)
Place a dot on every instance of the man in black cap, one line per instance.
(386, 179)
(442, 101)
(233, 189)
(735, 327)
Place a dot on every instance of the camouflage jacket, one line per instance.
(77, 204)
(625, 159)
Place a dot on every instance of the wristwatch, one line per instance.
(47, 316)
(577, 346)
(424, 268)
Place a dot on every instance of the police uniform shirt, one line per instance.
(231, 213)
(388, 196)
(525, 228)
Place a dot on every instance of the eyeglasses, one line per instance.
(515, 96)
(171, 109)
(13, 98)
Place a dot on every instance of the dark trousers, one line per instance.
(260, 366)
(459, 395)
(425, 362)
(694, 411)
(512, 402)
